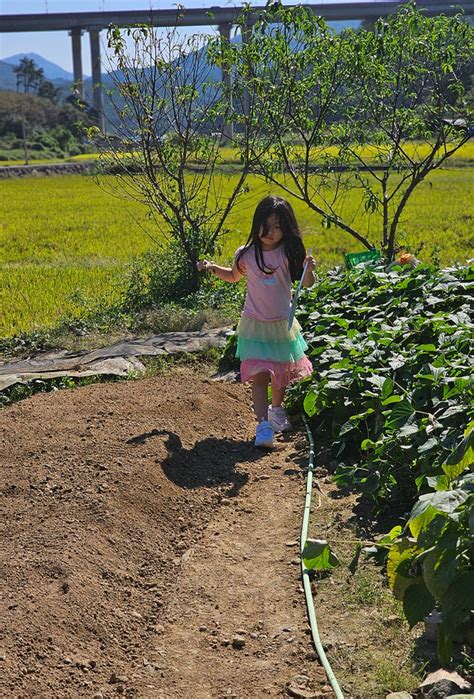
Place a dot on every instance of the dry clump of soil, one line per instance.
(150, 550)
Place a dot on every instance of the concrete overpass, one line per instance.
(223, 17)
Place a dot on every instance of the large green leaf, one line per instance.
(449, 500)
(400, 572)
(458, 603)
(452, 410)
(391, 399)
(347, 427)
(421, 515)
(387, 390)
(378, 381)
(462, 458)
(371, 482)
(431, 504)
(408, 430)
(309, 403)
(429, 445)
(426, 348)
(317, 555)
(399, 415)
(397, 361)
(439, 482)
(439, 570)
(418, 602)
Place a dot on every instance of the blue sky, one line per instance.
(56, 46)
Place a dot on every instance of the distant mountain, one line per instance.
(51, 70)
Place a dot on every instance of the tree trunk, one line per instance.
(194, 274)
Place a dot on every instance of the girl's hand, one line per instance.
(205, 265)
(311, 262)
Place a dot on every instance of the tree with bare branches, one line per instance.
(166, 145)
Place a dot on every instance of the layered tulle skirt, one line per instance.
(268, 346)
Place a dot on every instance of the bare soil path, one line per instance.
(150, 550)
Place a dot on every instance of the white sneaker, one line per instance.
(279, 419)
(264, 437)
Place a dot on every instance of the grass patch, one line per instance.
(369, 627)
(368, 643)
(39, 296)
(367, 591)
(392, 678)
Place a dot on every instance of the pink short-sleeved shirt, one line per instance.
(268, 295)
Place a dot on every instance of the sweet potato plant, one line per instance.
(391, 394)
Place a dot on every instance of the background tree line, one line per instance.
(38, 119)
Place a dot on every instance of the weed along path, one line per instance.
(150, 551)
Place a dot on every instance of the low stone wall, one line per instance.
(8, 171)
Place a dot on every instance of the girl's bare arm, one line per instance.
(309, 278)
(227, 274)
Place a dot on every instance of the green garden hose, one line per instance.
(305, 572)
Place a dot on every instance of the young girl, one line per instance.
(272, 259)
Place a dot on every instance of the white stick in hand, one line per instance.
(291, 317)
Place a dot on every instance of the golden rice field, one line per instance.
(413, 149)
(65, 240)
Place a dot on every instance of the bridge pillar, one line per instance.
(228, 128)
(76, 35)
(98, 100)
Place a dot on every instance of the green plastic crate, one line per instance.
(356, 258)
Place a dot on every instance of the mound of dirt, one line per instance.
(150, 550)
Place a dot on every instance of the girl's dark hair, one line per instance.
(291, 235)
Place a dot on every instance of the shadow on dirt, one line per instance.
(210, 462)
